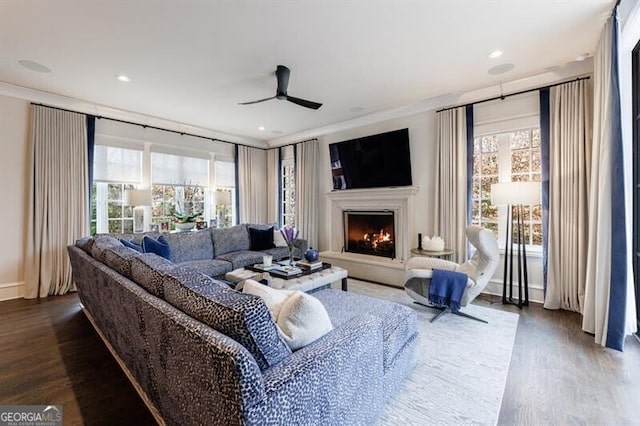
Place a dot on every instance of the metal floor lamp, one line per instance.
(515, 194)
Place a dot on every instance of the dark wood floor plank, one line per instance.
(50, 354)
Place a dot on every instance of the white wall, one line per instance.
(496, 116)
(422, 134)
(14, 124)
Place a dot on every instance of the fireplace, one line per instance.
(370, 232)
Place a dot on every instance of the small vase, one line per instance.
(311, 254)
(291, 249)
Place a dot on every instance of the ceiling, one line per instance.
(193, 61)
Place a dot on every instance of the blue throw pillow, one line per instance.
(261, 239)
(160, 246)
(131, 245)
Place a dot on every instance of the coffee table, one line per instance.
(308, 281)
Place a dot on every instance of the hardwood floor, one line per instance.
(50, 354)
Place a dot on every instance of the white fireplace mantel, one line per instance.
(399, 200)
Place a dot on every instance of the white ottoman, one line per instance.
(307, 283)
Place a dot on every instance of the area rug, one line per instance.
(461, 369)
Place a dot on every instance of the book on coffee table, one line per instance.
(285, 270)
(309, 265)
(261, 267)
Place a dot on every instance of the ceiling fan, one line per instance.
(282, 74)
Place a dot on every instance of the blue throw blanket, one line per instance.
(447, 288)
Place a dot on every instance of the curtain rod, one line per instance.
(501, 97)
(295, 143)
(154, 127)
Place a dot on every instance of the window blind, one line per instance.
(168, 169)
(112, 164)
(225, 174)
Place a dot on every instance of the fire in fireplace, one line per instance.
(370, 232)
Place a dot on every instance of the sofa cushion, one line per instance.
(300, 317)
(274, 298)
(211, 267)
(85, 243)
(131, 245)
(243, 317)
(240, 259)
(101, 243)
(260, 239)
(119, 259)
(399, 322)
(148, 269)
(278, 239)
(227, 240)
(303, 320)
(160, 246)
(194, 245)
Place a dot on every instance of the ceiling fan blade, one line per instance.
(282, 74)
(303, 102)
(255, 102)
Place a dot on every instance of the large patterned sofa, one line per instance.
(200, 352)
(216, 251)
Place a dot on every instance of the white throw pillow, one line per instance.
(278, 239)
(273, 298)
(302, 320)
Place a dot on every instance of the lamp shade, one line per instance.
(510, 193)
(137, 197)
(222, 198)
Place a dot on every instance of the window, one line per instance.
(288, 190)
(224, 195)
(169, 199)
(179, 185)
(506, 157)
(114, 170)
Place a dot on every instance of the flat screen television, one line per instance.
(376, 161)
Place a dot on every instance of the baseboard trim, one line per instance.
(147, 401)
(536, 293)
(10, 291)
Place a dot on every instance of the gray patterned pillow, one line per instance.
(101, 243)
(227, 240)
(190, 246)
(119, 259)
(148, 269)
(244, 318)
(85, 243)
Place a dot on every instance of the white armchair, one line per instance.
(479, 270)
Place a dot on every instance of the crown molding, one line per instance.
(550, 76)
(86, 107)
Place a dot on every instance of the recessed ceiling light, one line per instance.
(261, 128)
(500, 69)
(123, 78)
(34, 66)
(495, 54)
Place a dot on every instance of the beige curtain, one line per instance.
(273, 185)
(307, 157)
(451, 181)
(569, 163)
(601, 259)
(252, 184)
(58, 199)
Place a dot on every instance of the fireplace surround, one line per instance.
(398, 200)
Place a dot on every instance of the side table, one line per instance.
(442, 254)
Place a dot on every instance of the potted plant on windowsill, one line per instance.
(185, 222)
